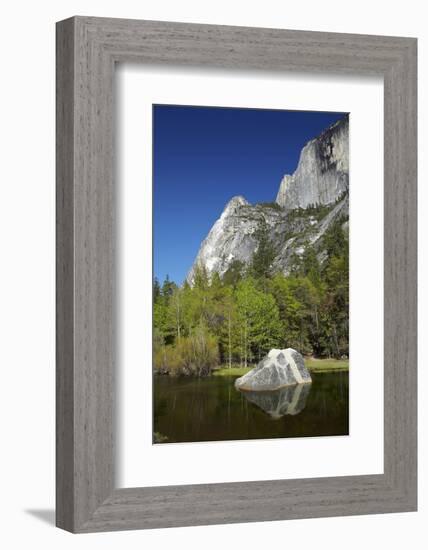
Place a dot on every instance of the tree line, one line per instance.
(237, 318)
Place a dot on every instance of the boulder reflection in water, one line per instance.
(290, 400)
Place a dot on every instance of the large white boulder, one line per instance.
(280, 368)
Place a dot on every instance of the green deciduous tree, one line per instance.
(258, 317)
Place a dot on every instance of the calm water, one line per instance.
(211, 409)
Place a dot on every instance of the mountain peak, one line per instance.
(235, 203)
(322, 174)
(320, 180)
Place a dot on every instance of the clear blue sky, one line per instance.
(203, 156)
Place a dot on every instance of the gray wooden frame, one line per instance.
(87, 50)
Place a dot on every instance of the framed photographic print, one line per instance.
(268, 276)
(236, 274)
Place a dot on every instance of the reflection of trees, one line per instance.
(330, 399)
(211, 409)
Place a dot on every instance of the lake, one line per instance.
(211, 409)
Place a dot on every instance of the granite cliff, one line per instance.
(308, 203)
(322, 174)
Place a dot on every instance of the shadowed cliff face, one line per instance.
(321, 179)
(322, 174)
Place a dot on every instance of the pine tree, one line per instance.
(201, 279)
(156, 290)
(264, 255)
(168, 288)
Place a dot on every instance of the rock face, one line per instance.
(279, 369)
(232, 236)
(321, 179)
(322, 174)
(286, 401)
(304, 230)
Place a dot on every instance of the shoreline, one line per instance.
(315, 366)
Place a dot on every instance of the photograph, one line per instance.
(251, 273)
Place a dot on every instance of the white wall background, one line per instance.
(27, 271)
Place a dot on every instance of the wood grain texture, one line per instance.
(87, 49)
(64, 276)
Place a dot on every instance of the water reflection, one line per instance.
(286, 401)
(211, 409)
